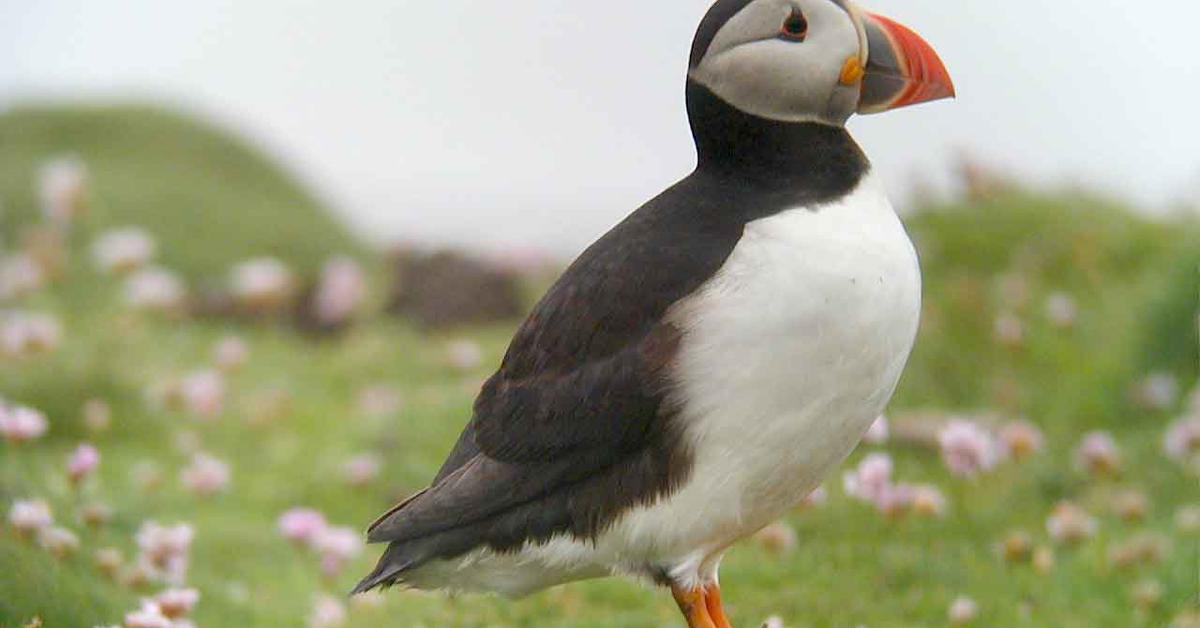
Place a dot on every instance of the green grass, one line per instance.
(1135, 282)
(208, 196)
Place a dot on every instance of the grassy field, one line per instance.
(210, 202)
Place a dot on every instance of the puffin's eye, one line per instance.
(795, 28)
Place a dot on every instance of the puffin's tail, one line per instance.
(389, 571)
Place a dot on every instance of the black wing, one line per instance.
(576, 425)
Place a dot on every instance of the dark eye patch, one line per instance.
(795, 27)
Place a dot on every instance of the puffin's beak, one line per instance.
(901, 69)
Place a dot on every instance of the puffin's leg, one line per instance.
(693, 604)
(712, 600)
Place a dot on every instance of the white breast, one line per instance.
(789, 354)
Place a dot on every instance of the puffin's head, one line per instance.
(813, 60)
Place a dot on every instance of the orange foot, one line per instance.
(701, 607)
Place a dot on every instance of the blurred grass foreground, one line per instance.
(204, 397)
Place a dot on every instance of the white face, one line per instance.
(785, 59)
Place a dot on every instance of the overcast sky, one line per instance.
(542, 122)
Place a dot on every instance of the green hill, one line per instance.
(209, 197)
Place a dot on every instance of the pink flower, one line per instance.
(1158, 392)
(109, 561)
(29, 516)
(21, 425)
(203, 393)
(177, 603)
(778, 539)
(878, 432)
(328, 612)
(155, 289)
(340, 292)
(60, 542)
(1182, 440)
(262, 284)
(1061, 310)
(871, 480)
(816, 498)
(121, 251)
(231, 354)
(967, 449)
(20, 275)
(301, 525)
(150, 615)
(379, 401)
(84, 462)
(206, 476)
(23, 335)
(1070, 524)
(165, 551)
(336, 545)
(1021, 439)
(464, 355)
(361, 470)
(62, 190)
(896, 500)
(1098, 454)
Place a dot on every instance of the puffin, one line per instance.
(703, 366)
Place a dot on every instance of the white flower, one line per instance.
(24, 334)
(120, 251)
(60, 542)
(155, 289)
(150, 615)
(203, 393)
(62, 189)
(20, 275)
(380, 400)
(963, 611)
(967, 449)
(1182, 440)
(340, 292)
(1070, 524)
(165, 550)
(1158, 392)
(1098, 454)
(1061, 310)
(206, 476)
(464, 355)
(262, 284)
(29, 516)
(177, 603)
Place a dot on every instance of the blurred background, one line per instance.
(256, 257)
